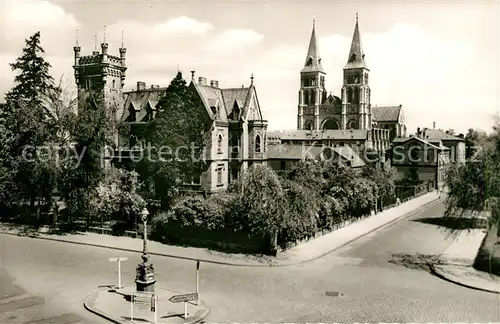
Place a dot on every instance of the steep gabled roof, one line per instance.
(211, 96)
(239, 95)
(139, 100)
(387, 113)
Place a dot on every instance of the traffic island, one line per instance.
(163, 306)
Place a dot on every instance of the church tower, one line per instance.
(102, 74)
(356, 108)
(312, 91)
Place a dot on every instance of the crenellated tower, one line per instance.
(102, 74)
(356, 107)
(312, 91)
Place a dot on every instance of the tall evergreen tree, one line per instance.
(176, 139)
(27, 117)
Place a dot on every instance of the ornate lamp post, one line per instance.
(145, 274)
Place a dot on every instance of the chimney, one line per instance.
(216, 84)
(141, 85)
(202, 81)
(418, 132)
(212, 83)
(433, 125)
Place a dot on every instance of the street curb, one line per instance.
(404, 216)
(442, 275)
(283, 264)
(88, 304)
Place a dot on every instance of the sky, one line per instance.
(440, 60)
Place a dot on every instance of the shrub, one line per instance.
(301, 215)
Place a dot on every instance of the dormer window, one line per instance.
(353, 57)
(309, 61)
(219, 144)
(257, 144)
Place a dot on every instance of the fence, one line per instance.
(410, 192)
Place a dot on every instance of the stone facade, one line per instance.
(318, 111)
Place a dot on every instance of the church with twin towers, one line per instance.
(352, 110)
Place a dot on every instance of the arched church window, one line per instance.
(306, 97)
(219, 144)
(349, 95)
(313, 97)
(257, 143)
(356, 95)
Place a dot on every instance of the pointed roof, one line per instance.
(356, 57)
(313, 59)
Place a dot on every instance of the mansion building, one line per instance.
(238, 136)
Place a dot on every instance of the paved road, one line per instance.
(19, 306)
(374, 289)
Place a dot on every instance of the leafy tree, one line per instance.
(92, 135)
(261, 202)
(177, 130)
(385, 179)
(301, 215)
(474, 188)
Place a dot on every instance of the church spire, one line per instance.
(313, 59)
(356, 57)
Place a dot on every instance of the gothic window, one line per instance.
(219, 144)
(306, 97)
(349, 95)
(313, 97)
(113, 84)
(257, 143)
(356, 95)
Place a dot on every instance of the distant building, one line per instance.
(285, 156)
(456, 144)
(419, 161)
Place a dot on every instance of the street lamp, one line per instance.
(145, 274)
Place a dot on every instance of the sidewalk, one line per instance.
(308, 251)
(114, 305)
(456, 263)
